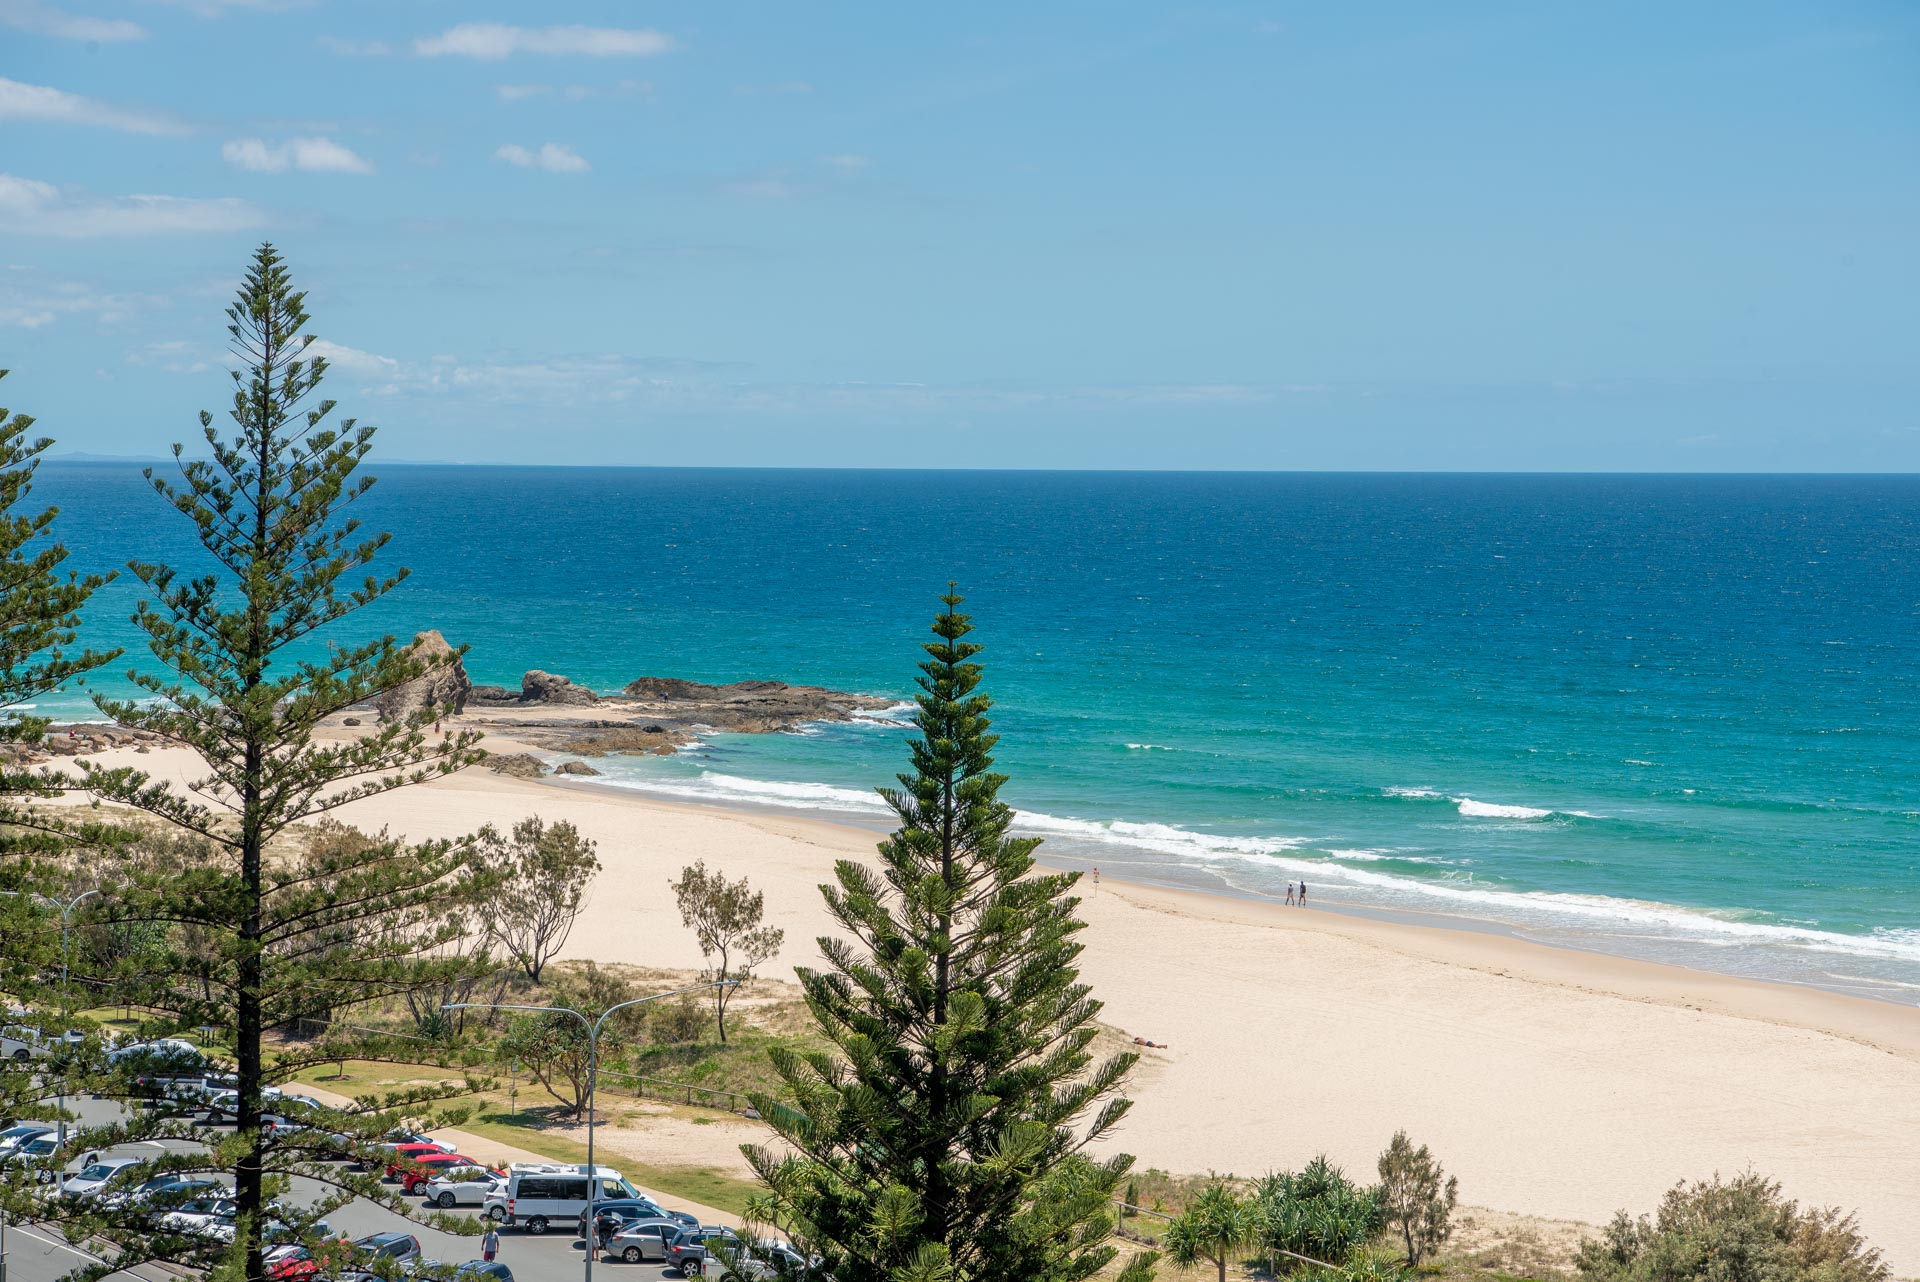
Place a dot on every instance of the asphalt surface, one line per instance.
(34, 1253)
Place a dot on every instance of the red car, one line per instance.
(297, 1263)
(404, 1155)
(428, 1165)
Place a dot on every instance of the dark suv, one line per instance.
(690, 1249)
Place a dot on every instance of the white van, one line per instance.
(542, 1193)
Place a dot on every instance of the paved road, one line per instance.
(37, 1254)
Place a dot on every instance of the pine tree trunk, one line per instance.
(248, 1175)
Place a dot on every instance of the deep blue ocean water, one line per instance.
(1675, 717)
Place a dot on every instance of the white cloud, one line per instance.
(44, 20)
(572, 93)
(352, 360)
(356, 48)
(21, 101)
(847, 163)
(309, 155)
(552, 157)
(29, 207)
(493, 41)
(33, 304)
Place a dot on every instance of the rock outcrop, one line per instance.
(521, 765)
(574, 768)
(443, 688)
(550, 687)
(750, 707)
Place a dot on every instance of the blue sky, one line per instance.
(1418, 236)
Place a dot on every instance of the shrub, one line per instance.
(1418, 1197)
(1318, 1212)
(1740, 1230)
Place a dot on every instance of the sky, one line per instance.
(1473, 236)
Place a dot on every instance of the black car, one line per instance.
(691, 1249)
(623, 1209)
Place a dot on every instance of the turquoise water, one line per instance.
(1673, 717)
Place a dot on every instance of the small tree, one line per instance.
(1218, 1224)
(542, 873)
(1739, 1230)
(1418, 1197)
(725, 916)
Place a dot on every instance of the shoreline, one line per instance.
(1554, 1082)
(1130, 872)
(1745, 996)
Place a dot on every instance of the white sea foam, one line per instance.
(892, 717)
(1150, 747)
(1413, 792)
(1493, 810)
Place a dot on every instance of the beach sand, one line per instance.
(1552, 1082)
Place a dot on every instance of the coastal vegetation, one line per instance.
(1417, 1197)
(944, 1137)
(540, 874)
(1739, 1230)
(728, 918)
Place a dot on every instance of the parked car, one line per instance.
(165, 1051)
(414, 1177)
(465, 1186)
(95, 1176)
(14, 1136)
(643, 1239)
(625, 1208)
(401, 1156)
(396, 1246)
(41, 1154)
(22, 1042)
(201, 1217)
(162, 1190)
(483, 1271)
(224, 1106)
(689, 1250)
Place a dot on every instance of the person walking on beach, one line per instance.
(1289, 894)
(1303, 894)
(489, 1244)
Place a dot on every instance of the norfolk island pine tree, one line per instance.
(943, 1141)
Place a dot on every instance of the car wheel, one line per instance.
(445, 1200)
(497, 1214)
(692, 1269)
(21, 1055)
(537, 1225)
(44, 1177)
(631, 1255)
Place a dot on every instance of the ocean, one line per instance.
(1671, 717)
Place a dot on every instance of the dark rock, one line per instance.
(550, 687)
(521, 765)
(349, 721)
(443, 688)
(492, 694)
(574, 768)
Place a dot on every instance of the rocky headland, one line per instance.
(650, 714)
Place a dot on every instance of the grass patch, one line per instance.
(695, 1183)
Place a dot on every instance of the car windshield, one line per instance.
(98, 1171)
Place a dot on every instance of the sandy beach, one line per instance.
(1554, 1083)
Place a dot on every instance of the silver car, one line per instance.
(644, 1239)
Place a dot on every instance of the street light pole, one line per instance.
(593, 1028)
(66, 908)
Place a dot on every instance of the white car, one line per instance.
(464, 1186)
(95, 1176)
(39, 1154)
(208, 1217)
(14, 1136)
(166, 1048)
(19, 1042)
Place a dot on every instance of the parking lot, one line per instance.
(36, 1254)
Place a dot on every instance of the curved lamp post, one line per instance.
(593, 1027)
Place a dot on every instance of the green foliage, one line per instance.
(943, 1139)
(1739, 1230)
(541, 873)
(1318, 1213)
(39, 616)
(1417, 1196)
(1213, 1229)
(267, 933)
(726, 917)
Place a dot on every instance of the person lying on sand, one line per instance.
(1141, 1041)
